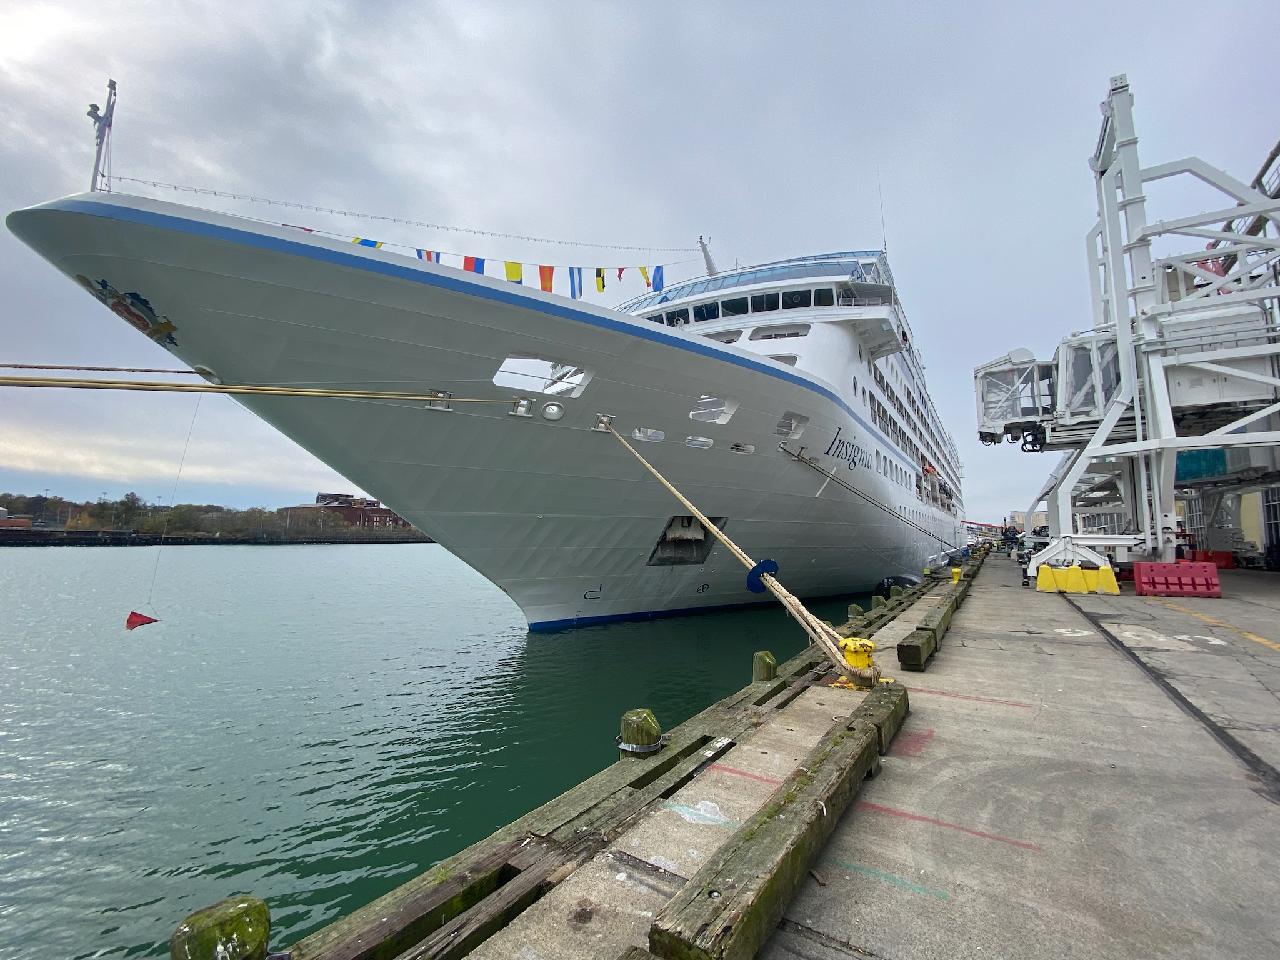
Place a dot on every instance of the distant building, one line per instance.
(1018, 518)
(13, 523)
(359, 512)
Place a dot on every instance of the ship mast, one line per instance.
(102, 134)
(706, 256)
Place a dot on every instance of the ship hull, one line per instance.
(558, 515)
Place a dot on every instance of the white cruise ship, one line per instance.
(786, 400)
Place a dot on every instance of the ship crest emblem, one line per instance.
(133, 308)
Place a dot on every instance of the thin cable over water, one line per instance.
(249, 198)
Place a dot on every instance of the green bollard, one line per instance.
(763, 666)
(641, 734)
(237, 927)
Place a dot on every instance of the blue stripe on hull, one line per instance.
(551, 626)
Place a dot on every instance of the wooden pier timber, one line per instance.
(690, 850)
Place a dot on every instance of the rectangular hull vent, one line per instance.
(684, 541)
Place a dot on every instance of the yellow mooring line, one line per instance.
(819, 632)
(147, 386)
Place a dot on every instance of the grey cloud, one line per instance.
(772, 128)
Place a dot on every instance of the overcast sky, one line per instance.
(764, 126)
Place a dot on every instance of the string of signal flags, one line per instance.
(513, 270)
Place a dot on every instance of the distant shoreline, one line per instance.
(127, 538)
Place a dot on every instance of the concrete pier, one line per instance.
(1048, 798)
(1080, 776)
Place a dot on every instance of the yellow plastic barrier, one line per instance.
(1107, 581)
(1074, 579)
(1045, 582)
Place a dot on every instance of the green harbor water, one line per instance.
(311, 724)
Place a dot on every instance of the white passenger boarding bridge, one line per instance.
(1193, 363)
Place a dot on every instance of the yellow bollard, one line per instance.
(859, 656)
(955, 574)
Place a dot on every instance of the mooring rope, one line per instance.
(867, 497)
(58, 366)
(819, 632)
(147, 386)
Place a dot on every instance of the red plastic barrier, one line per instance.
(1176, 580)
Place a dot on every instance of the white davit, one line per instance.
(785, 400)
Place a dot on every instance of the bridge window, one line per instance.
(764, 302)
(824, 297)
(676, 318)
(788, 358)
(706, 311)
(796, 299)
(736, 307)
(656, 318)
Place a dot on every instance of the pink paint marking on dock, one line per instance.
(747, 774)
(965, 696)
(921, 818)
(911, 743)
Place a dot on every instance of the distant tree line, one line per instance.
(131, 512)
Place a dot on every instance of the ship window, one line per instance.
(791, 425)
(706, 311)
(824, 297)
(540, 375)
(788, 358)
(733, 308)
(684, 541)
(725, 336)
(780, 332)
(648, 434)
(742, 448)
(795, 299)
(713, 409)
(699, 443)
(764, 302)
(676, 317)
(656, 318)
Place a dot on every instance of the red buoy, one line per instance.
(136, 619)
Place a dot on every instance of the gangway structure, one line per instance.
(1183, 357)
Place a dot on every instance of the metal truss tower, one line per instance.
(1184, 353)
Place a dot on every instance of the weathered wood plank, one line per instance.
(468, 930)
(731, 906)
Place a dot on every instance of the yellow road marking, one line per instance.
(1215, 622)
